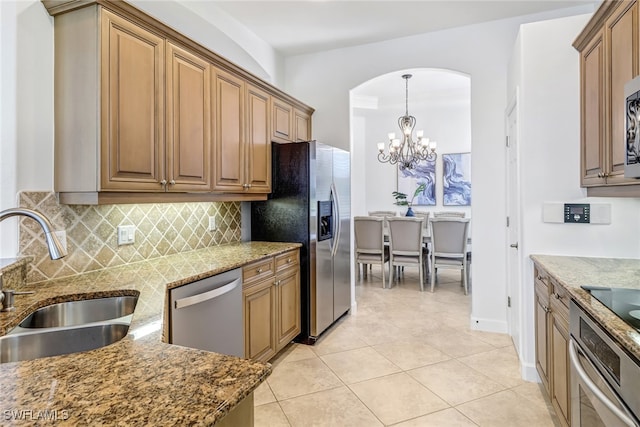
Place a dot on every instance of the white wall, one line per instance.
(482, 51)
(26, 113)
(546, 70)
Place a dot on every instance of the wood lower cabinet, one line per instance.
(259, 310)
(271, 292)
(609, 57)
(552, 342)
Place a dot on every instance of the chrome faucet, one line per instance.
(56, 250)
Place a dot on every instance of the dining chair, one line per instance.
(449, 214)
(406, 246)
(425, 219)
(449, 247)
(370, 247)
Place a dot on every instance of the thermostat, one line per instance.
(577, 213)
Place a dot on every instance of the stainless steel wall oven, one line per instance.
(605, 380)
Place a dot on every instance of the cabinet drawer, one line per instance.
(541, 279)
(258, 270)
(559, 302)
(287, 259)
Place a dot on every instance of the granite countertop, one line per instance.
(573, 272)
(140, 379)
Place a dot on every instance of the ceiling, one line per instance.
(307, 26)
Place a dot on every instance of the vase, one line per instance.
(410, 212)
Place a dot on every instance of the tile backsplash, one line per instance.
(91, 232)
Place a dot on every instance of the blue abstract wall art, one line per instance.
(410, 179)
(456, 179)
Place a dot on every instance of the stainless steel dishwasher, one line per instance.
(207, 314)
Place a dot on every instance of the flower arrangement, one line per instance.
(401, 198)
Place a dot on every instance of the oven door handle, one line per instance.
(575, 362)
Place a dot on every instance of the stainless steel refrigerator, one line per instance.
(310, 203)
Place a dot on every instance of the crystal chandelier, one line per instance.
(407, 152)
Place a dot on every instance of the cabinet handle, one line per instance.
(288, 260)
(557, 295)
(259, 270)
(172, 182)
(545, 308)
(539, 277)
(163, 182)
(246, 186)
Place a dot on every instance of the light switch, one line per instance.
(126, 234)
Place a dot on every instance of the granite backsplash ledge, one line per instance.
(91, 232)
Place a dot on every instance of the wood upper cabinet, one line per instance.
(593, 112)
(609, 57)
(132, 101)
(622, 59)
(302, 125)
(258, 144)
(282, 117)
(188, 121)
(141, 110)
(290, 124)
(229, 141)
(242, 143)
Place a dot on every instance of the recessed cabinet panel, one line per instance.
(593, 112)
(288, 307)
(302, 124)
(188, 121)
(282, 121)
(132, 106)
(259, 309)
(229, 133)
(622, 31)
(258, 141)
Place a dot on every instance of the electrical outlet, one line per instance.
(212, 223)
(126, 234)
(62, 237)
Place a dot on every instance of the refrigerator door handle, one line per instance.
(336, 219)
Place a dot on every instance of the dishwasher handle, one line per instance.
(206, 296)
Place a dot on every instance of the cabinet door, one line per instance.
(287, 306)
(229, 141)
(188, 121)
(282, 116)
(622, 42)
(132, 106)
(542, 331)
(593, 112)
(302, 126)
(560, 385)
(259, 311)
(258, 149)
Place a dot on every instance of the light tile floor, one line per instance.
(405, 358)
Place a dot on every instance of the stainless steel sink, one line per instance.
(74, 313)
(54, 342)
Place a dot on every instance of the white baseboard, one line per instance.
(488, 325)
(529, 372)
